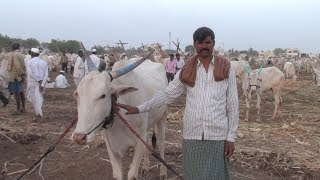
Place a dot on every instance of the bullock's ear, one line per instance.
(122, 90)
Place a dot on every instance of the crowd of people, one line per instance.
(173, 65)
(28, 76)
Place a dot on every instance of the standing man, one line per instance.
(171, 66)
(64, 62)
(38, 75)
(180, 62)
(79, 68)
(95, 59)
(16, 75)
(211, 114)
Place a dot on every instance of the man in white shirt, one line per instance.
(95, 59)
(180, 62)
(78, 73)
(61, 81)
(211, 114)
(37, 70)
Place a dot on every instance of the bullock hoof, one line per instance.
(163, 172)
(246, 119)
(163, 176)
(144, 171)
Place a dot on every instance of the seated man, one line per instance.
(61, 81)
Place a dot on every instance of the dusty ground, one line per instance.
(287, 147)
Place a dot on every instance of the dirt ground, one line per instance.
(287, 147)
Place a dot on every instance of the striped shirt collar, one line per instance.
(199, 62)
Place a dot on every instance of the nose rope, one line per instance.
(108, 121)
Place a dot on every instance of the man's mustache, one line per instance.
(204, 50)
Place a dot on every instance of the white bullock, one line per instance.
(290, 71)
(316, 76)
(261, 80)
(297, 67)
(94, 104)
(240, 68)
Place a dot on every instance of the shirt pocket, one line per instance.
(219, 90)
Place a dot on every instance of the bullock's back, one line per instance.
(271, 76)
(149, 78)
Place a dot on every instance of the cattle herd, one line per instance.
(94, 96)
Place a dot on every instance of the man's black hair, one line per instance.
(15, 46)
(201, 34)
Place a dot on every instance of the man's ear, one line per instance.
(122, 90)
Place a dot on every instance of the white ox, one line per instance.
(94, 104)
(316, 76)
(240, 68)
(297, 67)
(261, 80)
(289, 70)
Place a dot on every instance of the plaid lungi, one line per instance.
(204, 160)
(15, 87)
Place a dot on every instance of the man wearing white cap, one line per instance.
(61, 81)
(79, 68)
(95, 59)
(37, 74)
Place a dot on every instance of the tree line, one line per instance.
(55, 45)
(73, 46)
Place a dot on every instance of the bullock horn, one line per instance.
(130, 67)
(260, 69)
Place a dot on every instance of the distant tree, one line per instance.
(278, 51)
(71, 46)
(189, 49)
(30, 43)
(243, 52)
(252, 52)
(5, 42)
(100, 49)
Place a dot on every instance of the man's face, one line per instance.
(205, 48)
(178, 57)
(171, 57)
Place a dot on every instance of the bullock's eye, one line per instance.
(260, 79)
(102, 96)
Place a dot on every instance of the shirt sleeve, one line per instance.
(65, 81)
(86, 67)
(166, 96)
(33, 71)
(232, 106)
(46, 75)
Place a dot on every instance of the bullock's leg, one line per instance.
(146, 162)
(137, 157)
(161, 125)
(258, 105)
(247, 106)
(277, 101)
(116, 161)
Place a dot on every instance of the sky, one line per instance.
(238, 24)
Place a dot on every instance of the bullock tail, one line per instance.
(154, 140)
